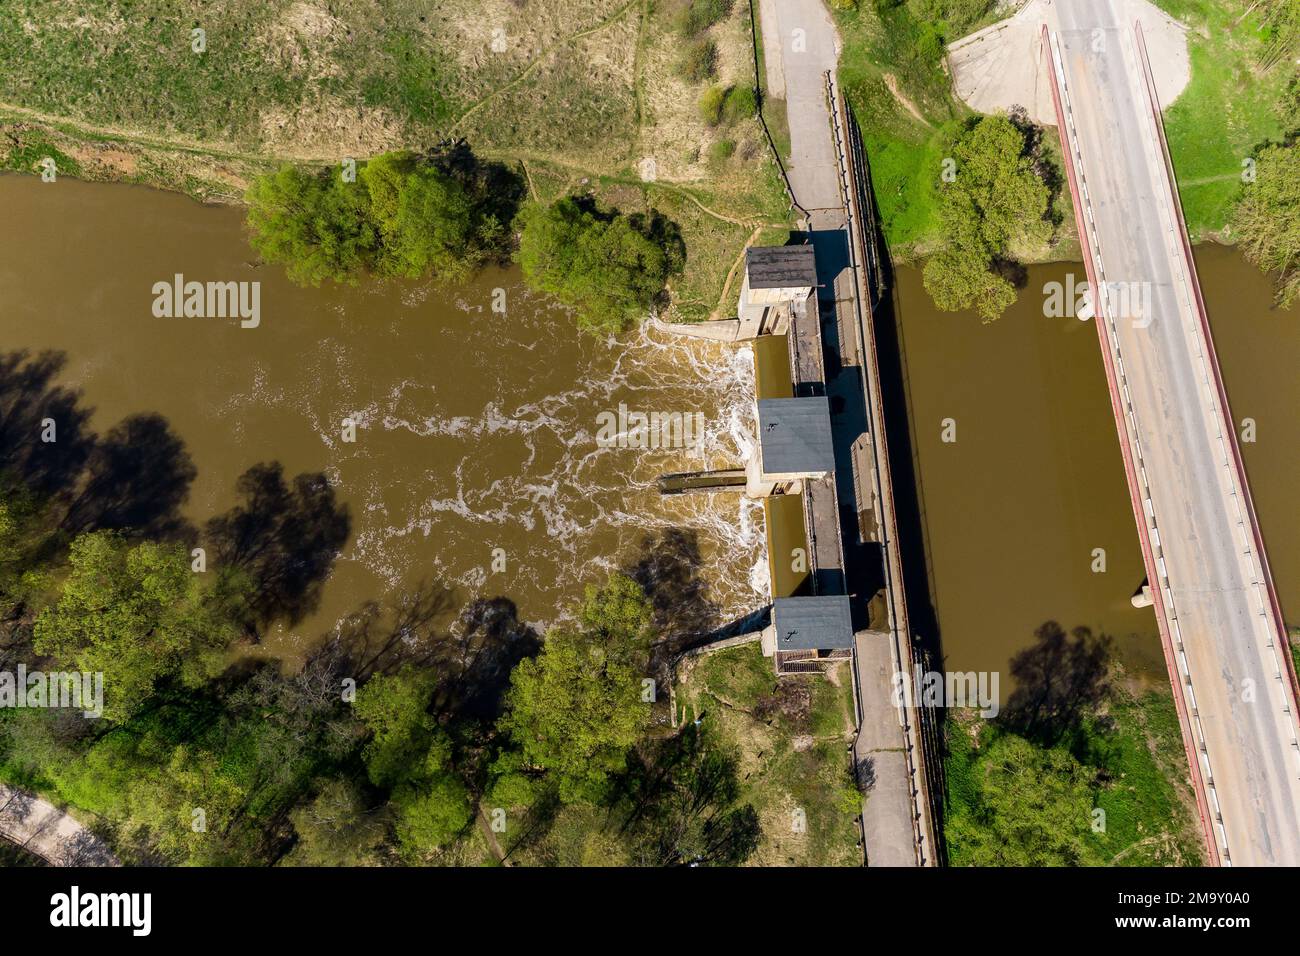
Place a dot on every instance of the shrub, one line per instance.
(721, 151)
(742, 103)
(696, 16)
(699, 61)
(711, 102)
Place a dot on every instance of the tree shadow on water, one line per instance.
(488, 641)
(382, 638)
(135, 478)
(29, 400)
(1060, 681)
(667, 566)
(284, 538)
(473, 651)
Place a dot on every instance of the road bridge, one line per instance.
(1220, 623)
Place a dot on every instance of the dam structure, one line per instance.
(820, 465)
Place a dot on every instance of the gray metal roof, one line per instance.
(780, 267)
(794, 435)
(812, 623)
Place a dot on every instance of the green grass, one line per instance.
(895, 47)
(1226, 113)
(1147, 823)
(905, 153)
(412, 83)
(1142, 784)
(30, 150)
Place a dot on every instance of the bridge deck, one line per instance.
(1224, 641)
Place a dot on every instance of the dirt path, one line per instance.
(540, 58)
(41, 828)
(493, 844)
(140, 137)
(892, 82)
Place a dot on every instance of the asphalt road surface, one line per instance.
(1216, 602)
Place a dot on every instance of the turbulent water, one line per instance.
(474, 431)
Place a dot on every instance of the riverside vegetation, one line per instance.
(1082, 768)
(444, 215)
(283, 768)
(399, 740)
(575, 97)
(1241, 105)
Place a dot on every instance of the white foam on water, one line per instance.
(563, 492)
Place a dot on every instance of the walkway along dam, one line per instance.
(821, 466)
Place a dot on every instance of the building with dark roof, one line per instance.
(777, 280)
(788, 268)
(807, 632)
(794, 443)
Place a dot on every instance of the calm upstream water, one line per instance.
(475, 431)
(1015, 507)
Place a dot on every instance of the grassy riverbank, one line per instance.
(578, 94)
(891, 69)
(792, 735)
(892, 72)
(1130, 805)
(1228, 111)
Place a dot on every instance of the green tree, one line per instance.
(410, 754)
(383, 178)
(684, 805)
(191, 808)
(335, 828)
(405, 215)
(315, 224)
(430, 221)
(608, 266)
(958, 278)
(576, 708)
(1033, 808)
(23, 532)
(135, 613)
(407, 741)
(1267, 219)
(429, 814)
(996, 199)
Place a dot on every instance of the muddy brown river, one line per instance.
(1030, 493)
(477, 431)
